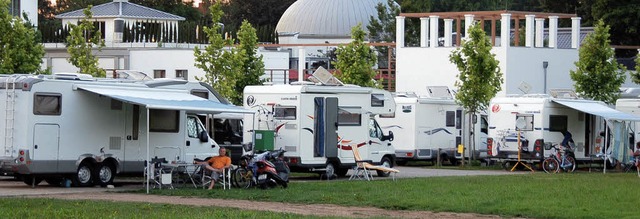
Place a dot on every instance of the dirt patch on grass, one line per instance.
(302, 209)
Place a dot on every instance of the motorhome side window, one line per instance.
(528, 118)
(377, 100)
(200, 93)
(347, 118)
(284, 112)
(484, 125)
(451, 118)
(49, 104)
(193, 128)
(163, 120)
(557, 123)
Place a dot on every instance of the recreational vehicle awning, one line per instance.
(154, 98)
(599, 109)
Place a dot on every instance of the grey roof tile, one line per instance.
(129, 10)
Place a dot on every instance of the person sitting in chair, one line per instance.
(216, 165)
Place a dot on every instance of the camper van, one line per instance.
(431, 127)
(318, 124)
(72, 126)
(533, 120)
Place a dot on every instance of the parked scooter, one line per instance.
(260, 170)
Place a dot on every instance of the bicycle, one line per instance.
(558, 160)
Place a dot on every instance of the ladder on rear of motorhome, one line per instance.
(10, 92)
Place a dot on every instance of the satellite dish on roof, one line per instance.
(325, 77)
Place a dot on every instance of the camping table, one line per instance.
(188, 169)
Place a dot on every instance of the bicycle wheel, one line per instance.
(550, 165)
(570, 164)
(242, 178)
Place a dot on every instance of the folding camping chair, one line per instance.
(203, 175)
(161, 176)
(363, 168)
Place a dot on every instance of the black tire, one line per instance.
(278, 180)
(507, 165)
(242, 178)
(550, 165)
(453, 161)
(386, 162)
(104, 174)
(341, 172)
(84, 175)
(31, 180)
(573, 163)
(330, 171)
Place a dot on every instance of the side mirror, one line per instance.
(203, 136)
(388, 137)
(547, 145)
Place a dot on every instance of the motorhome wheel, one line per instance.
(385, 163)
(104, 175)
(330, 171)
(83, 176)
(31, 180)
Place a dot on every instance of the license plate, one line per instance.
(262, 177)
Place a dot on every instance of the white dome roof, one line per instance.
(327, 18)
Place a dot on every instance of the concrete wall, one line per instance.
(418, 68)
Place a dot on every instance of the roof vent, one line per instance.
(73, 76)
(563, 93)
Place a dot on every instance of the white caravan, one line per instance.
(318, 124)
(542, 118)
(75, 127)
(426, 125)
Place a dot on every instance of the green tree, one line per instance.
(635, 76)
(20, 48)
(221, 66)
(383, 28)
(80, 43)
(479, 77)
(252, 65)
(598, 75)
(623, 19)
(355, 61)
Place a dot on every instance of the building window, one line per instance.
(184, 74)
(49, 104)
(159, 74)
(14, 8)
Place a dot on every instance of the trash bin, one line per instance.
(264, 140)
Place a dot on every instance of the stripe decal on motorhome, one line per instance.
(433, 131)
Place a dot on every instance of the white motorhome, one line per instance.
(318, 124)
(427, 125)
(543, 117)
(75, 127)
(631, 106)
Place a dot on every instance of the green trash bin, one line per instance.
(264, 140)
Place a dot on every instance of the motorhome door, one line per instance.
(45, 146)
(325, 137)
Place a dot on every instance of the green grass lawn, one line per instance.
(53, 208)
(537, 195)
